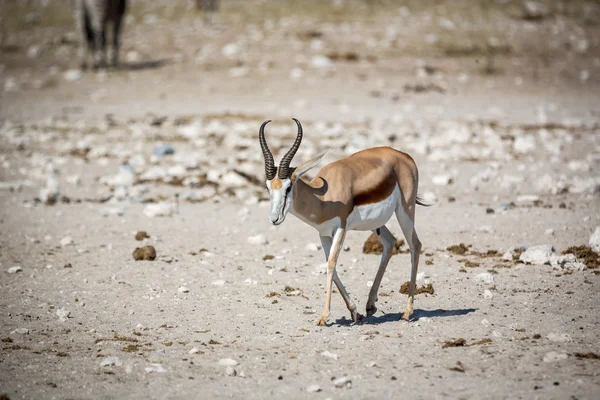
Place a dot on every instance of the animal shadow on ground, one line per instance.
(143, 65)
(417, 314)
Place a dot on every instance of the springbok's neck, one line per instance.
(308, 204)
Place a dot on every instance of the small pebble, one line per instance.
(312, 247)
(329, 355)
(14, 270)
(257, 239)
(313, 388)
(155, 368)
(343, 382)
(66, 241)
(183, 289)
(111, 361)
(228, 362)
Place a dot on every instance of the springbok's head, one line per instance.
(281, 180)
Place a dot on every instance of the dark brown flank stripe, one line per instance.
(374, 195)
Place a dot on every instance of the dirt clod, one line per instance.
(141, 235)
(146, 253)
(419, 290)
(585, 254)
(373, 246)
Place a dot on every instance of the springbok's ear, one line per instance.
(307, 166)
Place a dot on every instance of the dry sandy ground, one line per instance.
(83, 320)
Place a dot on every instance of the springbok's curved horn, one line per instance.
(268, 156)
(284, 166)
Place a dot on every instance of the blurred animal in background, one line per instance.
(93, 18)
(207, 5)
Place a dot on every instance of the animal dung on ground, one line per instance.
(423, 289)
(146, 253)
(460, 342)
(459, 249)
(590, 356)
(374, 246)
(141, 235)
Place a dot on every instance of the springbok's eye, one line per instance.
(288, 190)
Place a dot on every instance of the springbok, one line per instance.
(359, 192)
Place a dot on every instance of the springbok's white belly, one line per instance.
(372, 216)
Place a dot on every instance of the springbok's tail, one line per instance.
(420, 202)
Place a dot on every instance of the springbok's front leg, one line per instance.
(356, 317)
(338, 240)
(388, 240)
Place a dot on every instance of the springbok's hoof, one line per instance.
(371, 310)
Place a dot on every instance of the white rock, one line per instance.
(527, 198)
(233, 180)
(534, 10)
(73, 75)
(257, 239)
(343, 382)
(429, 197)
(441, 180)
(524, 144)
(111, 361)
(537, 255)
(508, 255)
(313, 388)
(422, 275)
(230, 50)
(566, 261)
(312, 247)
(14, 270)
(321, 61)
(554, 356)
(11, 85)
(595, 240)
(230, 371)
(549, 232)
(183, 289)
(191, 131)
(218, 282)
(486, 229)
(66, 241)
(559, 337)
(162, 209)
(320, 269)
(487, 294)
(63, 314)
(155, 368)
(194, 350)
(124, 177)
(228, 362)
(21, 331)
(484, 277)
(50, 193)
(329, 354)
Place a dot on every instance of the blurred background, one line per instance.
(284, 55)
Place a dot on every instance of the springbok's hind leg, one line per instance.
(356, 317)
(388, 240)
(407, 223)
